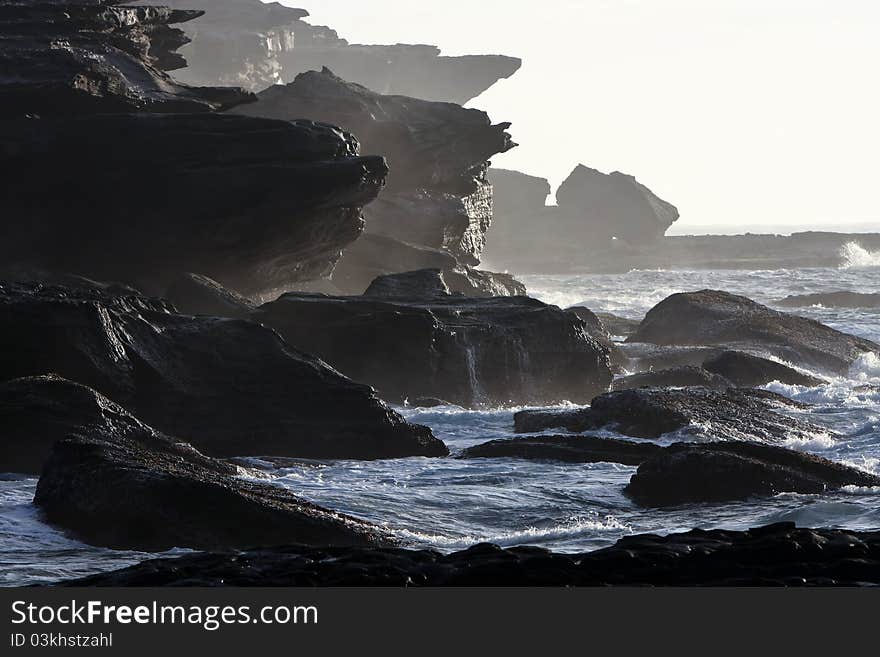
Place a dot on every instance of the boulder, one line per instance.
(748, 371)
(255, 45)
(617, 326)
(470, 352)
(196, 198)
(598, 332)
(112, 481)
(462, 281)
(735, 414)
(437, 196)
(678, 377)
(719, 318)
(842, 299)
(72, 57)
(230, 387)
(776, 555)
(566, 449)
(721, 472)
(414, 284)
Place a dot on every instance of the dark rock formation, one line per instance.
(679, 377)
(113, 481)
(618, 326)
(462, 281)
(720, 472)
(470, 352)
(231, 387)
(832, 300)
(648, 357)
(777, 555)
(252, 203)
(593, 208)
(437, 195)
(749, 371)
(194, 294)
(720, 318)
(734, 414)
(254, 45)
(67, 57)
(566, 449)
(598, 332)
(600, 206)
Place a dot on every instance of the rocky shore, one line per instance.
(200, 282)
(777, 555)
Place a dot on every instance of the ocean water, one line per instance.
(450, 504)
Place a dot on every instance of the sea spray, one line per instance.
(855, 256)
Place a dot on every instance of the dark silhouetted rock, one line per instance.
(598, 217)
(422, 283)
(601, 206)
(720, 472)
(252, 203)
(597, 331)
(647, 357)
(437, 195)
(194, 294)
(679, 377)
(230, 387)
(566, 449)
(62, 58)
(470, 352)
(832, 300)
(255, 45)
(734, 414)
(112, 481)
(720, 318)
(777, 555)
(750, 371)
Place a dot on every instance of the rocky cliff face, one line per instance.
(97, 186)
(595, 214)
(253, 44)
(437, 196)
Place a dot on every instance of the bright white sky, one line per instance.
(747, 114)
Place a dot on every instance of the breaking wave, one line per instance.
(855, 256)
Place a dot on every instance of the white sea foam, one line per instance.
(855, 256)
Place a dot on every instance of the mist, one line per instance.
(751, 115)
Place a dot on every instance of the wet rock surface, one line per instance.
(230, 387)
(679, 377)
(776, 555)
(437, 195)
(734, 414)
(252, 203)
(618, 326)
(471, 352)
(711, 317)
(842, 299)
(112, 481)
(85, 57)
(749, 371)
(251, 44)
(566, 449)
(721, 472)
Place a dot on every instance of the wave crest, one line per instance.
(855, 256)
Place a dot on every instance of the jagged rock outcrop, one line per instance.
(719, 318)
(470, 352)
(254, 44)
(598, 332)
(748, 371)
(194, 294)
(63, 58)
(113, 481)
(678, 377)
(230, 387)
(721, 472)
(733, 414)
(776, 555)
(566, 449)
(842, 299)
(252, 203)
(596, 213)
(437, 196)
